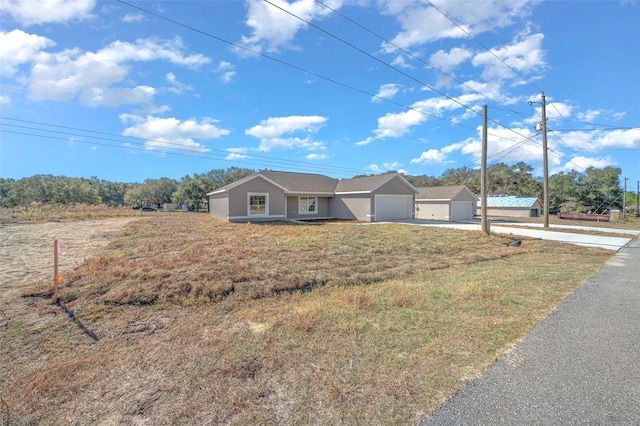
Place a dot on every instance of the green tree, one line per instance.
(193, 190)
(600, 189)
(462, 176)
(5, 187)
(562, 187)
(423, 181)
(111, 193)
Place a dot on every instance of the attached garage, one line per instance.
(461, 210)
(450, 203)
(390, 207)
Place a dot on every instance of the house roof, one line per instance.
(368, 183)
(512, 201)
(308, 183)
(302, 182)
(440, 192)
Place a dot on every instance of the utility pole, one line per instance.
(638, 200)
(483, 175)
(624, 199)
(545, 162)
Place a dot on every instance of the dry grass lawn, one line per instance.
(184, 319)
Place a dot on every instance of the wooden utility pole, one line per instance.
(483, 175)
(545, 163)
(624, 199)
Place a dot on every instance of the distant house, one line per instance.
(453, 203)
(512, 206)
(272, 195)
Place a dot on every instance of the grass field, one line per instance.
(183, 319)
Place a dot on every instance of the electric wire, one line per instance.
(484, 47)
(331, 80)
(409, 76)
(180, 150)
(417, 58)
(174, 146)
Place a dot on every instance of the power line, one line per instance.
(484, 47)
(175, 148)
(417, 58)
(331, 80)
(565, 120)
(388, 65)
(178, 146)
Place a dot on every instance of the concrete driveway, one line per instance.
(513, 228)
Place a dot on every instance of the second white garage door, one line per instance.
(389, 207)
(461, 210)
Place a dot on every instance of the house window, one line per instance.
(258, 204)
(307, 205)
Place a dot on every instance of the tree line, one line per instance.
(594, 190)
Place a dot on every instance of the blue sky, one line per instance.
(338, 87)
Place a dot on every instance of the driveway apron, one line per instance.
(578, 366)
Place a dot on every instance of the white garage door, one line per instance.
(461, 211)
(388, 207)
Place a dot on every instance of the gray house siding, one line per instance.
(351, 207)
(394, 186)
(353, 199)
(322, 208)
(219, 206)
(239, 202)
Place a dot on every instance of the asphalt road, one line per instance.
(579, 366)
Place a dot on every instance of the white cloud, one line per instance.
(386, 91)
(5, 102)
(91, 75)
(589, 116)
(374, 168)
(271, 132)
(18, 47)
(622, 138)
(395, 125)
(176, 86)
(164, 134)
(236, 153)
(438, 156)
(386, 167)
(226, 70)
(420, 23)
(432, 156)
(132, 18)
(446, 61)
(26, 12)
(316, 156)
(273, 28)
(581, 163)
(524, 54)
(113, 97)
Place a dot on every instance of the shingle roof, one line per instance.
(302, 182)
(439, 192)
(308, 183)
(510, 201)
(364, 183)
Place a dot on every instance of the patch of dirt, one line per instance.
(26, 257)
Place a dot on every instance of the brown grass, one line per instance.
(201, 321)
(38, 212)
(198, 260)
